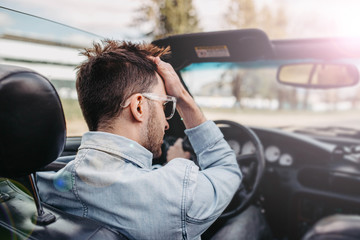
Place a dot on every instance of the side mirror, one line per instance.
(318, 75)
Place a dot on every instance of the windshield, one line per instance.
(250, 94)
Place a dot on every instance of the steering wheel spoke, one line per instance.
(242, 192)
(246, 158)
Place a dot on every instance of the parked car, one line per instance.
(290, 109)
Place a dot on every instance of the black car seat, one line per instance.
(335, 227)
(32, 135)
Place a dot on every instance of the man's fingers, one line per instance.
(171, 80)
(156, 60)
(178, 142)
(177, 151)
(161, 64)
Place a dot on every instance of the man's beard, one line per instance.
(154, 135)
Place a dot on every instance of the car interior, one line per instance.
(313, 196)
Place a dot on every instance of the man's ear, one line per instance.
(137, 107)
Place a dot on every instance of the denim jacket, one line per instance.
(112, 180)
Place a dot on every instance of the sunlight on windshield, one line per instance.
(252, 96)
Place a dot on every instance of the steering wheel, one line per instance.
(252, 166)
(252, 173)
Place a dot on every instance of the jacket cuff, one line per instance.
(203, 136)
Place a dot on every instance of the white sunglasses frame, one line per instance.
(163, 98)
(157, 97)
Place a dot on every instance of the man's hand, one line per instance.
(186, 106)
(172, 82)
(177, 151)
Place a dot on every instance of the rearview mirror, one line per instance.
(318, 75)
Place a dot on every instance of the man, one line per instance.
(122, 91)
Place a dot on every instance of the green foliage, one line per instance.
(241, 14)
(72, 109)
(245, 14)
(169, 17)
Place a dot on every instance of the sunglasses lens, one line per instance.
(168, 108)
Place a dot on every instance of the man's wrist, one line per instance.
(190, 112)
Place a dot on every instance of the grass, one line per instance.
(75, 122)
(71, 109)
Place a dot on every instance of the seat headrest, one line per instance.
(32, 123)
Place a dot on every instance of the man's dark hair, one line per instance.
(113, 71)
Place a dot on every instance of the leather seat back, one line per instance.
(32, 122)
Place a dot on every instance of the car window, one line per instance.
(52, 50)
(250, 93)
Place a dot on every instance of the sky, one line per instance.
(115, 18)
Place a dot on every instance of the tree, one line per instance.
(244, 14)
(169, 17)
(241, 14)
(275, 25)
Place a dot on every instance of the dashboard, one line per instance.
(273, 153)
(305, 179)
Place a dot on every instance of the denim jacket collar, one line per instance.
(108, 142)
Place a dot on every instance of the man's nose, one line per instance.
(167, 126)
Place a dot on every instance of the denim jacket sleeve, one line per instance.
(217, 181)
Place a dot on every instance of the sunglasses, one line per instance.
(168, 102)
